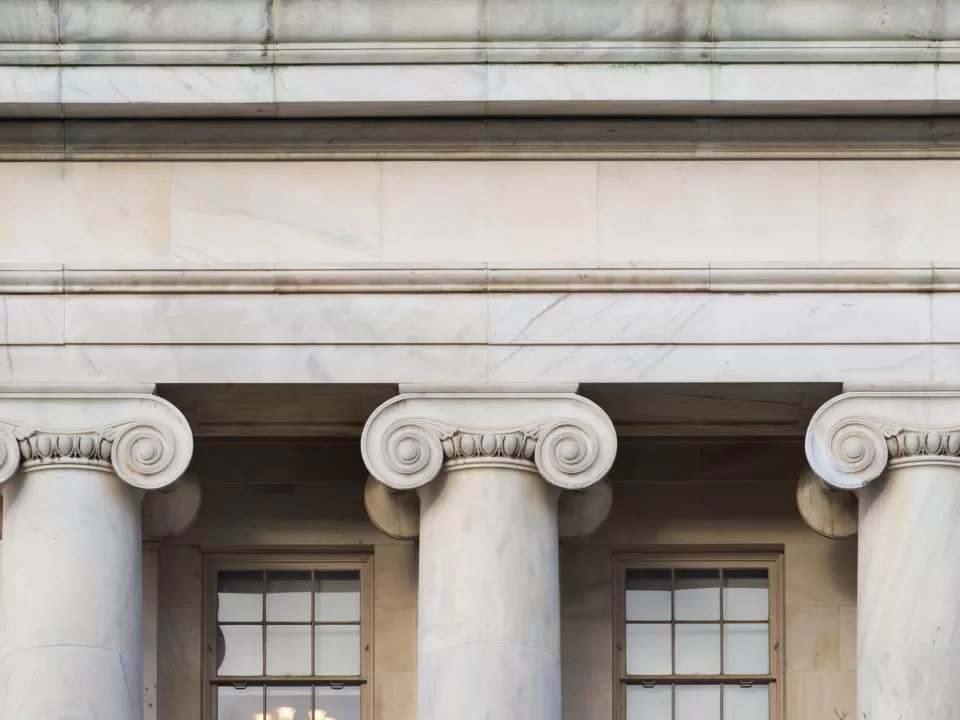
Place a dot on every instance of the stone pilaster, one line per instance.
(489, 469)
(73, 470)
(900, 454)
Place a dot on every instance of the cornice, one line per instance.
(479, 278)
(582, 138)
(452, 51)
(144, 439)
(486, 89)
(565, 438)
(855, 437)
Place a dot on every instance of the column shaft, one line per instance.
(70, 593)
(489, 618)
(909, 595)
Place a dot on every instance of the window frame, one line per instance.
(771, 561)
(279, 561)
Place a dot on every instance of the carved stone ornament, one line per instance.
(565, 438)
(142, 438)
(855, 437)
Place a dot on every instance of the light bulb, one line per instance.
(319, 715)
(285, 713)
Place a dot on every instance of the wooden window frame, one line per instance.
(274, 561)
(770, 561)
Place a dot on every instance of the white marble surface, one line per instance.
(102, 88)
(71, 628)
(489, 637)
(71, 682)
(908, 594)
(478, 363)
(295, 212)
(535, 213)
(471, 89)
(334, 319)
(164, 21)
(697, 319)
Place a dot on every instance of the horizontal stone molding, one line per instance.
(855, 437)
(481, 138)
(481, 89)
(493, 51)
(479, 278)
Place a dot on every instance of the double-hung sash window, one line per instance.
(699, 637)
(287, 639)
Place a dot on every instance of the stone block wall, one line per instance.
(563, 211)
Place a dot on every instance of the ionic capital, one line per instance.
(565, 438)
(857, 436)
(141, 438)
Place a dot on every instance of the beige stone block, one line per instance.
(395, 639)
(586, 639)
(179, 642)
(822, 695)
(813, 638)
(116, 212)
(395, 696)
(277, 212)
(84, 212)
(586, 576)
(848, 638)
(181, 573)
(395, 575)
(822, 573)
(888, 211)
(708, 211)
(509, 212)
(179, 696)
(587, 695)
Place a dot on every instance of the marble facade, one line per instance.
(494, 294)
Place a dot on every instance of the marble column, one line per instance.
(900, 453)
(489, 469)
(74, 467)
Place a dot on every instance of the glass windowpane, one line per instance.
(698, 649)
(288, 649)
(746, 595)
(338, 597)
(750, 703)
(239, 650)
(654, 703)
(649, 650)
(648, 595)
(240, 596)
(338, 650)
(288, 596)
(289, 703)
(234, 704)
(746, 649)
(697, 596)
(698, 702)
(342, 704)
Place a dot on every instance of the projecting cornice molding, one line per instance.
(225, 278)
(144, 439)
(855, 437)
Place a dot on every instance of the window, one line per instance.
(287, 639)
(698, 637)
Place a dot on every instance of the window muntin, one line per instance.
(288, 639)
(698, 637)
